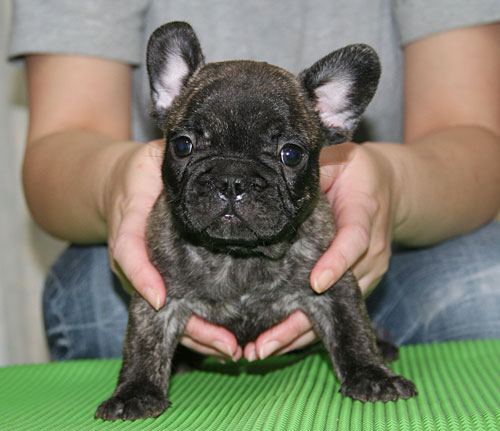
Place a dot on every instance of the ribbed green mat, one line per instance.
(459, 385)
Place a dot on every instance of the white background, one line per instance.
(25, 251)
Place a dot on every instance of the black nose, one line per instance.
(230, 186)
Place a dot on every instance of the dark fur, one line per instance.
(236, 232)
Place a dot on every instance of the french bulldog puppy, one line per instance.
(242, 221)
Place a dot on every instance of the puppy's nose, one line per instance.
(230, 188)
(234, 188)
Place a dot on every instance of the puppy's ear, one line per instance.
(341, 85)
(173, 55)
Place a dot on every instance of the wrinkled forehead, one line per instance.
(247, 95)
(248, 75)
(238, 110)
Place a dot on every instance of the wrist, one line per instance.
(117, 158)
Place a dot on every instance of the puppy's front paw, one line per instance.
(377, 385)
(133, 404)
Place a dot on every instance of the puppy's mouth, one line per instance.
(231, 234)
(231, 229)
(228, 232)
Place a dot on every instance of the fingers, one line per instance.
(359, 190)
(293, 333)
(130, 258)
(352, 219)
(369, 282)
(332, 160)
(135, 187)
(210, 340)
(303, 340)
(132, 265)
(371, 268)
(327, 176)
(156, 150)
(350, 243)
(337, 154)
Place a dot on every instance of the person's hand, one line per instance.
(132, 190)
(359, 183)
(134, 186)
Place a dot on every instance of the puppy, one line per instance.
(242, 221)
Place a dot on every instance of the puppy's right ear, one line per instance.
(173, 55)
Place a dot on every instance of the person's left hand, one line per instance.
(359, 183)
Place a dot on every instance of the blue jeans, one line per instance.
(447, 292)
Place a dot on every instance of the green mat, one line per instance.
(459, 388)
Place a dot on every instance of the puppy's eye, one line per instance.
(291, 155)
(182, 146)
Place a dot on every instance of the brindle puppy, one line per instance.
(242, 220)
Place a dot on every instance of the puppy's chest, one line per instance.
(239, 280)
(245, 294)
(243, 291)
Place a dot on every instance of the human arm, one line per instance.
(443, 181)
(85, 181)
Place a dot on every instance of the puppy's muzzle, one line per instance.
(234, 187)
(231, 182)
(233, 200)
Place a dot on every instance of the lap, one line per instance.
(447, 292)
(450, 291)
(85, 308)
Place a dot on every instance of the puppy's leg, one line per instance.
(147, 359)
(388, 350)
(341, 320)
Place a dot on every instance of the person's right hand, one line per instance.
(132, 190)
(86, 182)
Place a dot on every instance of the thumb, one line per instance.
(131, 256)
(350, 243)
(332, 160)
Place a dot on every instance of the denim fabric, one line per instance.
(447, 292)
(85, 308)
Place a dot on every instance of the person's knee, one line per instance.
(459, 310)
(85, 311)
(447, 292)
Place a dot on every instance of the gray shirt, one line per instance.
(292, 34)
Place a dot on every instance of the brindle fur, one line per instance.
(248, 286)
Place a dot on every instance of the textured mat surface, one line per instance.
(459, 389)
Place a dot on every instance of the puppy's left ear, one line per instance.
(340, 86)
(173, 55)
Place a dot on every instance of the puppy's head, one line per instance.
(243, 138)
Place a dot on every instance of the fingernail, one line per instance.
(268, 348)
(151, 296)
(223, 348)
(323, 281)
(252, 356)
(239, 354)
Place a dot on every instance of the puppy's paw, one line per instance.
(377, 385)
(132, 405)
